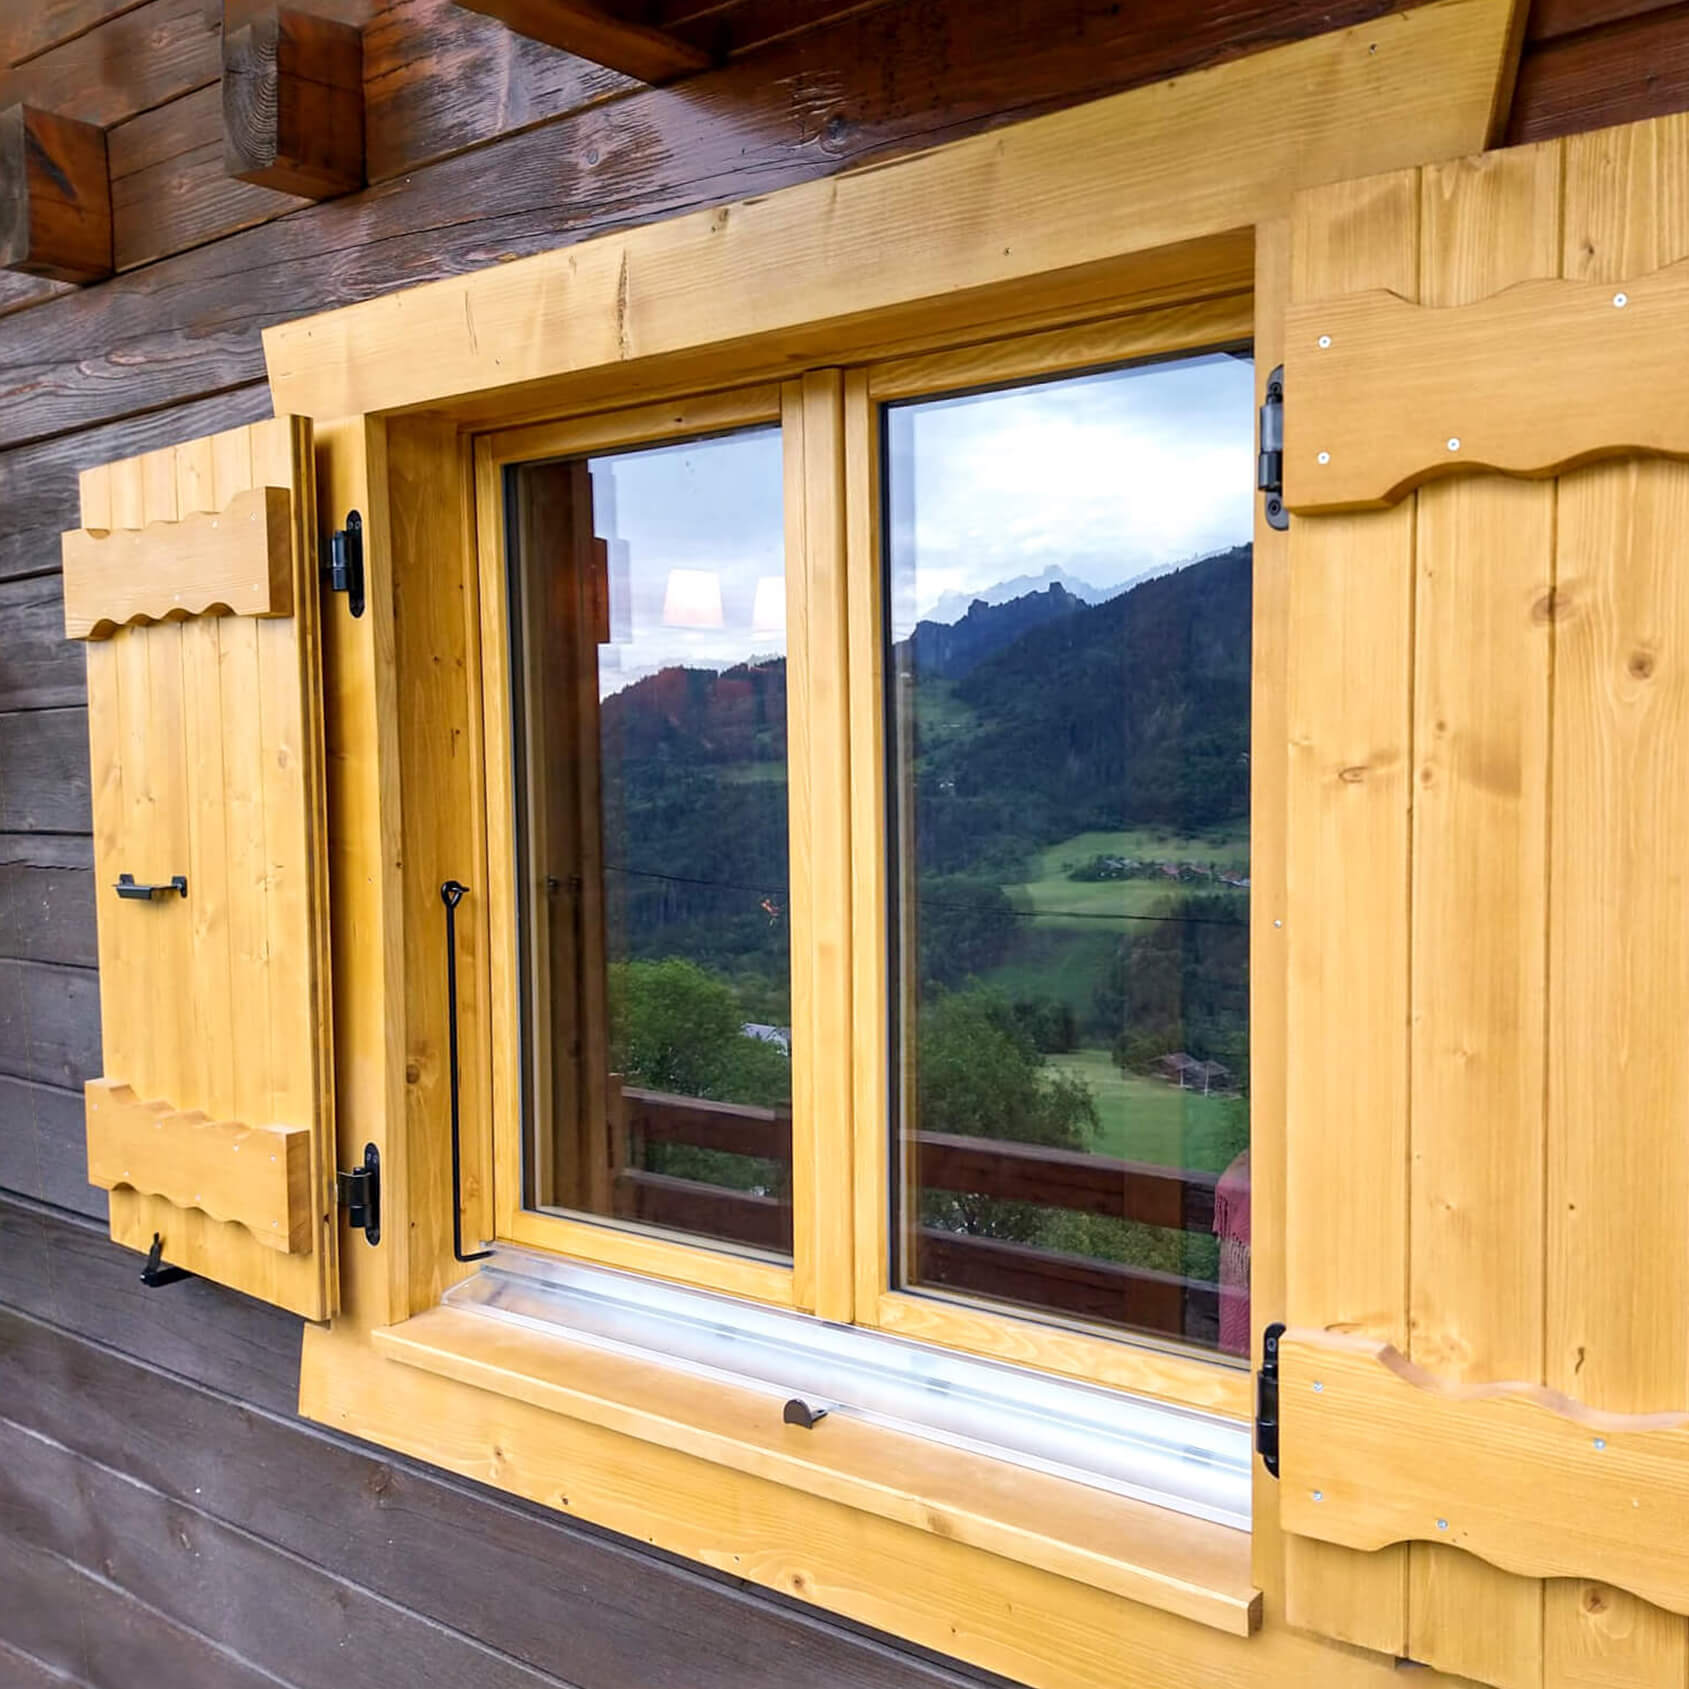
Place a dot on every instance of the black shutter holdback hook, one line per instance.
(452, 893)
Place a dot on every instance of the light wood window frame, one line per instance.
(807, 413)
(830, 423)
(1140, 1362)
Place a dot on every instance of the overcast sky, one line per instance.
(1104, 476)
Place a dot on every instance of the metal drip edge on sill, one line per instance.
(1182, 1459)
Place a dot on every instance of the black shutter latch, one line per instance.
(1269, 464)
(1266, 1398)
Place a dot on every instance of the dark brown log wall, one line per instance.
(164, 1516)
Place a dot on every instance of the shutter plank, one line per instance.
(1484, 572)
(1618, 1087)
(1351, 620)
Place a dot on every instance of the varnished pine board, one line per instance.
(1175, 162)
(255, 1176)
(1541, 376)
(1349, 720)
(1618, 1074)
(235, 562)
(1483, 570)
(1376, 1450)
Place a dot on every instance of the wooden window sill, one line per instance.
(1163, 1559)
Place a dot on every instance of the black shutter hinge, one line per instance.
(1269, 464)
(344, 570)
(1266, 1398)
(360, 1194)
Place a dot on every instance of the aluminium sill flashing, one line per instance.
(1179, 1458)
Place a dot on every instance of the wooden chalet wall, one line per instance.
(164, 1516)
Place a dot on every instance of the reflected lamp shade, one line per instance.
(692, 599)
(768, 609)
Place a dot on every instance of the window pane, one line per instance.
(649, 629)
(1068, 571)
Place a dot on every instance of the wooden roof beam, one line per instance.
(293, 103)
(55, 196)
(611, 33)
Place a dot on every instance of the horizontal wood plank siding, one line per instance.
(1593, 63)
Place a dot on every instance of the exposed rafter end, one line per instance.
(611, 35)
(293, 104)
(55, 196)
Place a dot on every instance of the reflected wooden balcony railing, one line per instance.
(1073, 1285)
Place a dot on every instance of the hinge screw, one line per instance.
(1325, 341)
(1621, 300)
(1325, 457)
(1454, 443)
(1442, 1524)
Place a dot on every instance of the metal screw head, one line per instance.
(1278, 923)
(1454, 443)
(1319, 1495)
(1442, 1524)
(1318, 1386)
(1325, 340)
(1621, 300)
(1601, 1442)
(1325, 457)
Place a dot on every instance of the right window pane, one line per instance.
(1067, 568)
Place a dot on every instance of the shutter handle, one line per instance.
(127, 887)
(452, 893)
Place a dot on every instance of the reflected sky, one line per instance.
(1105, 478)
(1093, 480)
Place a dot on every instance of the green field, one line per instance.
(1066, 903)
(1144, 1119)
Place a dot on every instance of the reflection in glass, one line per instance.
(1068, 578)
(649, 671)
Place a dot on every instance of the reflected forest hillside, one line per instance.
(1080, 822)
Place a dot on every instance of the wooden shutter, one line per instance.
(193, 581)
(1487, 1203)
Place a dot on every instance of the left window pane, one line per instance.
(648, 631)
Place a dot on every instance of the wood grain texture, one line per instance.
(293, 104)
(136, 59)
(1617, 1150)
(290, 1621)
(1474, 393)
(1550, 19)
(55, 196)
(47, 901)
(249, 1175)
(44, 771)
(237, 561)
(43, 1148)
(49, 1022)
(39, 668)
(206, 753)
(1483, 570)
(1348, 868)
(789, 114)
(170, 189)
(1622, 74)
(38, 485)
(634, 1619)
(608, 34)
(1175, 163)
(28, 30)
(1147, 1554)
(1378, 1450)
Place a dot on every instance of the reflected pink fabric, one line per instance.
(1231, 1226)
